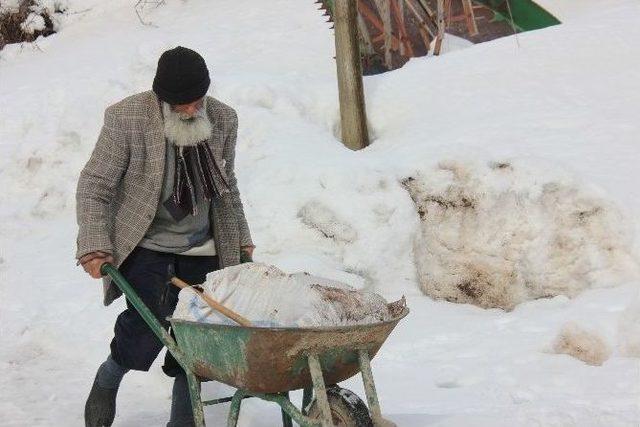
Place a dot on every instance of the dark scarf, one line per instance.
(191, 162)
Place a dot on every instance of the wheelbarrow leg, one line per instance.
(320, 390)
(286, 419)
(234, 411)
(370, 389)
(196, 403)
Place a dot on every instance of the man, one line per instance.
(157, 197)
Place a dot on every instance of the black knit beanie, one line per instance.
(182, 76)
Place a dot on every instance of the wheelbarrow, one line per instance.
(268, 363)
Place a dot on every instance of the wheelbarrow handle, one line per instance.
(151, 320)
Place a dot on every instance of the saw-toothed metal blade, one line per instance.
(327, 6)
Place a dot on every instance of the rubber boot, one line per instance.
(100, 409)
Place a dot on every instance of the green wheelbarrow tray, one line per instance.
(268, 362)
(273, 360)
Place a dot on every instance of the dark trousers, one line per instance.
(134, 345)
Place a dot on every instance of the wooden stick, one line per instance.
(441, 25)
(404, 37)
(370, 15)
(213, 303)
(422, 24)
(470, 16)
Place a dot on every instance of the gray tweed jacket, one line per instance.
(119, 187)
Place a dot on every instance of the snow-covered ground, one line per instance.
(564, 98)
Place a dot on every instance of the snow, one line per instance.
(269, 297)
(9, 6)
(629, 329)
(562, 99)
(33, 23)
(571, 10)
(451, 43)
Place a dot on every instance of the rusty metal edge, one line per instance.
(396, 319)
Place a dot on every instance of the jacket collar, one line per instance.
(154, 137)
(154, 110)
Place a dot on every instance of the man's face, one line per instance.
(189, 111)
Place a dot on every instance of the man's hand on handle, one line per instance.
(248, 249)
(246, 253)
(92, 262)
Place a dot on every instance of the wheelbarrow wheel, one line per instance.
(347, 409)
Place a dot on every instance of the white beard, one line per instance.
(181, 131)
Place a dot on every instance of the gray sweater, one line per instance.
(177, 235)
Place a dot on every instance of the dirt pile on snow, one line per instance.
(498, 234)
(268, 296)
(581, 344)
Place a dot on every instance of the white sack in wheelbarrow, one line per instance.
(268, 296)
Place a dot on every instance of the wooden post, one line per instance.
(353, 117)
